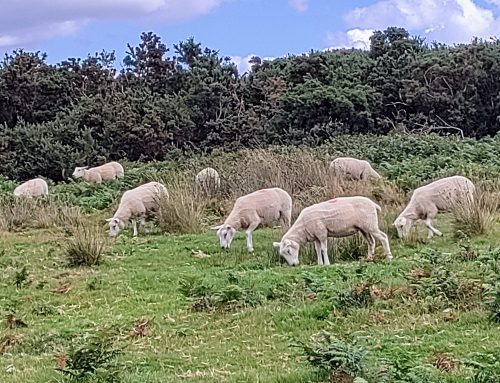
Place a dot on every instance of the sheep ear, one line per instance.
(276, 244)
(108, 219)
(216, 227)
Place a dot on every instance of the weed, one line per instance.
(20, 277)
(91, 356)
(360, 296)
(337, 357)
(86, 247)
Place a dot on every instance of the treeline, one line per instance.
(165, 101)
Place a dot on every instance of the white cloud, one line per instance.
(300, 5)
(26, 21)
(243, 64)
(353, 38)
(449, 21)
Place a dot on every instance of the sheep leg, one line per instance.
(319, 257)
(143, 224)
(432, 229)
(134, 226)
(249, 232)
(324, 251)
(370, 241)
(384, 240)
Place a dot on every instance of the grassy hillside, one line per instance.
(155, 311)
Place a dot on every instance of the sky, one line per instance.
(236, 28)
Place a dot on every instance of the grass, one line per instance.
(229, 316)
(260, 308)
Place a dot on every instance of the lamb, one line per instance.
(135, 204)
(339, 217)
(261, 207)
(208, 181)
(33, 188)
(349, 168)
(107, 172)
(428, 200)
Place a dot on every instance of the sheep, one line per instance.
(107, 172)
(261, 207)
(135, 204)
(428, 200)
(353, 169)
(208, 181)
(339, 217)
(33, 188)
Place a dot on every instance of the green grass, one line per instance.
(263, 307)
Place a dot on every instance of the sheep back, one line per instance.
(352, 168)
(32, 188)
(141, 200)
(266, 204)
(339, 217)
(108, 171)
(443, 194)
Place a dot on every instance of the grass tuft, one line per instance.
(86, 247)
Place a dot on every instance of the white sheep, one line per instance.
(428, 200)
(135, 204)
(208, 181)
(261, 207)
(349, 168)
(339, 217)
(107, 172)
(33, 188)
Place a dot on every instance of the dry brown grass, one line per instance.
(479, 216)
(40, 213)
(183, 211)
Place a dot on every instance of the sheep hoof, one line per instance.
(250, 250)
(388, 258)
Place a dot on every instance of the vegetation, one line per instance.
(170, 305)
(186, 99)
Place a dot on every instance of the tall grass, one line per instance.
(183, 211)
(479, 216)
(38, 213)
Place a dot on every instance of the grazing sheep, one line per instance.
(427, 201)
(33, 188)
(135, 204)
(339, 217)
(352, 169)
(208, 181)
(261, 207)
(107, 172)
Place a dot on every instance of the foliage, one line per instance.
(335, 356)
(91, 357)
(187, 98)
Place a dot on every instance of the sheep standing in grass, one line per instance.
(135, 204)
(348, 168)
(339, 217)
(427, 201)
(33, 188)
(261, 207)
(107, 172)
(208, 181)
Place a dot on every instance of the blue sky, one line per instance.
(237, 28)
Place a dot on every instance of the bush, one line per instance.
(86, 247)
